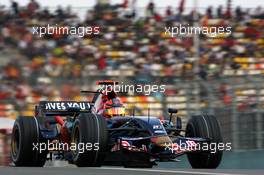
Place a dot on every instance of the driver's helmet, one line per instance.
(113, 108)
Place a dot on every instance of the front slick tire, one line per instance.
(205, 126)
(89, 129)
(26, 133)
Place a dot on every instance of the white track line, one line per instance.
(166, 171)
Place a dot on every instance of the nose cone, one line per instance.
(160, 140)
(160, 144)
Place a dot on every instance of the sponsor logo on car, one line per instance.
(63, 106)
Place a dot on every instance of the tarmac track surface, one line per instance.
(120, 171)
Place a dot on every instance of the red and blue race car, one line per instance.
(100, 132)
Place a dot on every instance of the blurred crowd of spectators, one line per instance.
(129, 44)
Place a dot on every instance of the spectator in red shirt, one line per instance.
(101, 63)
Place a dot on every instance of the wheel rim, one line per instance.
(76, 139)
(15, 142)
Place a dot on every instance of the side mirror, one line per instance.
(172, 110)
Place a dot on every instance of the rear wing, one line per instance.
(62, 107)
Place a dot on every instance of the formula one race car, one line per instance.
(100, 132)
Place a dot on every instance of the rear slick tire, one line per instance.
(26, 133)
(89, 129)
